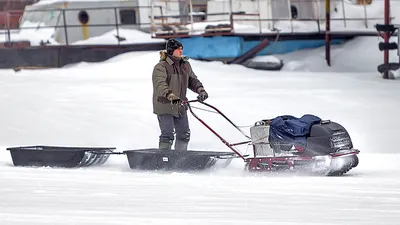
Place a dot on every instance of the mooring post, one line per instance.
(327, 32)
(386, 36)
(398, 41)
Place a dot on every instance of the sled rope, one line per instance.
(211, 111)
(237, 127)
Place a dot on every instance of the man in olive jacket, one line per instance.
(172, 76)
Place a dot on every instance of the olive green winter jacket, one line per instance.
(172, 75)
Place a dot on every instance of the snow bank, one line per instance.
(126, 36)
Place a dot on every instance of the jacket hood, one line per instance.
(163, 56)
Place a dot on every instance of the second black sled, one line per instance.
(172, 160)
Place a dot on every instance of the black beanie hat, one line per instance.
(172, 44)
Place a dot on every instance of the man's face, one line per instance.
(178, 52)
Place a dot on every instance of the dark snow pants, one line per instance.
(170, 125)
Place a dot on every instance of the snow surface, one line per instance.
(129, 36)
(109, 104)
(48, 2)
(40, 32)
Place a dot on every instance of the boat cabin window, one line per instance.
(127, 16)
(294, 12)
(83, 17)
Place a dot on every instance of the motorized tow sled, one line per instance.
(307, 144)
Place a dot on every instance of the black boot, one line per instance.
(181, 145)
(164, 145)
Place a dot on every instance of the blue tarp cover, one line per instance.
(290, 129)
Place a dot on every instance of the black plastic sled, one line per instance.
(56, 156)
(155, 159)
(141, 159)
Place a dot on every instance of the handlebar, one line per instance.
(188, 102)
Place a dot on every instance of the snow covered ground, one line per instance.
(109, 104)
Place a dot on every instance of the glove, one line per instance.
(202, 95)
(173, 98)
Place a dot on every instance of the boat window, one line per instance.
(127, 16)
(294, 12)
(83, 17)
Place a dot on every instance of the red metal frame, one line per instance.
(254, 162)
(214, 132)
